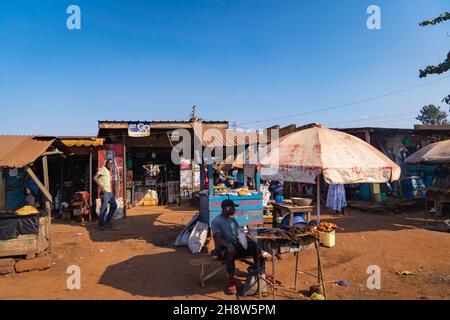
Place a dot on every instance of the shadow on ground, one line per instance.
(173, 277)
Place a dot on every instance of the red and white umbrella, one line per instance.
(342, 158)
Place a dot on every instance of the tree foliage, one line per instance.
(432, 115)
(443, 17)
(444, 66)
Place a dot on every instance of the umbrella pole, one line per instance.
(318, 198)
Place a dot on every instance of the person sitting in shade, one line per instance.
(225, 233)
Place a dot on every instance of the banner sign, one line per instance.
(138, 129)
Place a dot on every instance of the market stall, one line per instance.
(250, 201)
(25, 230)
(248, 194)
(438, 192)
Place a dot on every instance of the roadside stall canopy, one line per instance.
(20, 151)
(438, 152)
(341, 157)
(82, 141)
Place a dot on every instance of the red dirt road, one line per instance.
(139, 261)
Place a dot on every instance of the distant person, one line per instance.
(103, 180)
(225, 233)
(29, 198)
(336, 198)
(33, 191)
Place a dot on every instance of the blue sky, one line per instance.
(236, 60)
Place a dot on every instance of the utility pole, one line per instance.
(193, 118)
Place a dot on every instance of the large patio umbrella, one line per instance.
(342, 158)
(438, 152)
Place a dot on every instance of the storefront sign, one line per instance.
(138, 129)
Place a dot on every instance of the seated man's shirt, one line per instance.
(227, 227)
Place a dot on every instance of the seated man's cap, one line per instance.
(228, 203)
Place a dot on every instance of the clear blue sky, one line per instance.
(236, 60)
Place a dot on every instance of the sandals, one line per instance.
(231, 288)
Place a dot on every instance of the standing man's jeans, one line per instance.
(107, 198)
(251, 250)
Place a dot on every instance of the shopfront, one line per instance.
(148, 174)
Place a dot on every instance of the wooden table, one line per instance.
(292, 209)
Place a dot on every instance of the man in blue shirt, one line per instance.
(225, 232)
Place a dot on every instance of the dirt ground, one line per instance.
(139, 261)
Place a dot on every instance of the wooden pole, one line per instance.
(124, 178)
(90, 183)
(39, 184)
(49, 201)
(318, 198)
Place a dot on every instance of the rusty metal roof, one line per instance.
(20, 151)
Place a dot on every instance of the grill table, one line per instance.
(279, 246)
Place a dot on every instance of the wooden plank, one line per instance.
(22, 245)
(39, 184)
(48, 202)
(46, 184)
(43, 235)
(204, 261)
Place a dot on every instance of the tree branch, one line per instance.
(443, 17)
(441, 68)
(446, 99)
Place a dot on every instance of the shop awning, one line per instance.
(20, 151)
(82, 142)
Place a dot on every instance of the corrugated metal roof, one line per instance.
(215, 137)
(20, 151)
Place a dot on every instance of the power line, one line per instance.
(346, 104)
(368, 119)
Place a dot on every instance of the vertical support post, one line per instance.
(90, 183)
(244, 157)
(296, 269)
(61, 188)
(211, 179)
(318, 198)
(124, 177)
(273, 271)
(47, 202)
(367, 138)
(202, 176)
(257, 180)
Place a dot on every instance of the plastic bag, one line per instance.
(183, 238)
(242, 235)
(198, 236)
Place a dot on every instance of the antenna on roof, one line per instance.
(193, 115)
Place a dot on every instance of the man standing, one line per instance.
(103, 180)
(225, 232)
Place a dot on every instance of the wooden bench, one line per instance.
(203, 262)
(211, 260)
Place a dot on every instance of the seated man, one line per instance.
(225, 233)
